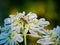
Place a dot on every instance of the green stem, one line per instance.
(24, 34)
(56, 41)
(25, 42)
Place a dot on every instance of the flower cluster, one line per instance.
(16, 27)
(52, 38)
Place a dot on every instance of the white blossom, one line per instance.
(20, 23)
(10, 37)
(53, 37)
(57, 30)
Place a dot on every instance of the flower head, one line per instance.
(17, 26)
(10, 38)
(53, 37)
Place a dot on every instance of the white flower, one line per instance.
(21, 23)
(34, 29)
(55, 35)
(10, 38)
(34, 25)
(10, 34)
(57, 31)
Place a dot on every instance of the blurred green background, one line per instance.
(48, 9)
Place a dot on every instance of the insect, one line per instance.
(23, 20)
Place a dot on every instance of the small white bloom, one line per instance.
(57, 30)
(17, 23)
(10, 38)
(55, 35)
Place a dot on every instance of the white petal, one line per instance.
(24, 12)
(7, 27)
(43, 42)
(3, 36)
(20, 39)
(47, 43)
(4, 41)
(34, 34)
(12, 42)
(31, 15)
(34, 29)
(33, 25)
(42, 19)
(14, 17)
(42, 32)
(40, 41)
(26, 30)
(18, 29)
(13, 26)
(11, 16)
(43, 23)
(7, 21)
(20, 14)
